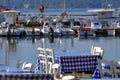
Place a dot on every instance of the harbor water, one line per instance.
(25, 49)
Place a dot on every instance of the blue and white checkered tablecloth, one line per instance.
(26, 76)
(75, 63)
(78, 63)
(96, 74)
(13, 73)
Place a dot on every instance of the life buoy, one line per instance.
(41, 8)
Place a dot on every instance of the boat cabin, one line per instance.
(103, 13)
(10, 16)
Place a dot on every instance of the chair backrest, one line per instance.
(27, 66)
(46, 57)
(116, 69)
(97, 51)
(106, 68)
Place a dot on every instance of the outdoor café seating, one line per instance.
(47, 58)
(80, 62)
(83, 65)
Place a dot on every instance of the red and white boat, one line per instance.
(88, 27)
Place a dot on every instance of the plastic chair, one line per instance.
(116, 69)
(97, 51)
(27, 66)
(57, 76)
(106, 69)
(47, 58)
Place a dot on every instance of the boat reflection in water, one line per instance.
(25, 49)
(88, 38)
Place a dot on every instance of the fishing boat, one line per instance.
(63, 24)
(85, 29)
(11, 31)
(108, 18)
(8, 27)
(47, 28)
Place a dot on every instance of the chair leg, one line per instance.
(41, 68)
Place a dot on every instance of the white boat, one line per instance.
(56, 30)
(64, 28)
(47, 29)
(7, 30)
(8, 27)
(89, 27)
(109, 18)
(3, 29)
(63, 23)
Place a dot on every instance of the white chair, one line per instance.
(47, 57)
(27, 66)
(106, 69)
(97, 51)
(116, 69)
(49, 61)
(57, 76)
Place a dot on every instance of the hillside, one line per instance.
(59, 3)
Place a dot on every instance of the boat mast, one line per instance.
(5, 2)
(64, 6)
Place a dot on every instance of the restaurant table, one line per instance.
(78, 62)
(12, 73)
(75, 61)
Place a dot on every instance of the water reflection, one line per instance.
(51, 39)
(88, 38)
(14, 49)
(11, 44)
(33, 39)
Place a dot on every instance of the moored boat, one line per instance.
(11, 31)
(86, 28)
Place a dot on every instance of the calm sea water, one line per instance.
(25, 49)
